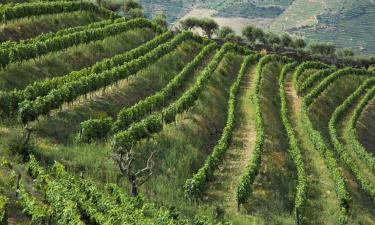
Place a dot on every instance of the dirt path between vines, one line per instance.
(322, 205)
(222, 191)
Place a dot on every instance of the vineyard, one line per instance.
(115, 120)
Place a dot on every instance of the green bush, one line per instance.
(95, 129)
(15, 143)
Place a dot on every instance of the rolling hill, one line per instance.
(115, 120)
(346, 23)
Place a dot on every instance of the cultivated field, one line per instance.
(111, 120)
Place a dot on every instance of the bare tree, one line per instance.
(136, 177)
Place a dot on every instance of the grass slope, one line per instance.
(113, 99)
(32, 27)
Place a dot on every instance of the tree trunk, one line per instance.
(25, 151)
(134, 192)
(134, 186)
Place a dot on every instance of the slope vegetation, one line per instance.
(111, 120)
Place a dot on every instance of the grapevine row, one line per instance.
(319, 144)
(9, 101)
(297, 82)
(59, 184)
(125, 140)
(99, 128)
(252, 168)
(19, 11)
(311, 80)
(331, 78)
(39, 212)
(336, 116)
(28, 51)
(30, 110)
(70, 30)
(129, 115)
(64, 210)
(331, 163)
(351, 131)
(95, 204)
(294, 147)
(194, 186)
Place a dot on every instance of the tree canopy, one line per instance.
(209, 26)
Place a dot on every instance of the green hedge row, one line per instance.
(340, 148)
(138, 111)
(27, 51)
(195, 186)
(30, 110)
(9, 101)
(125, 140)
(252, 169)
(294, 147)
(18, 11)
(93, 129)
(351, 131)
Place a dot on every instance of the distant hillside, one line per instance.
(347, 23)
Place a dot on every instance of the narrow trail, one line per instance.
(322, 203)
(222, 191)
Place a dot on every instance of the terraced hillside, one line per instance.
(112, 120)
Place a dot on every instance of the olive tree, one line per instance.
(161, 19)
